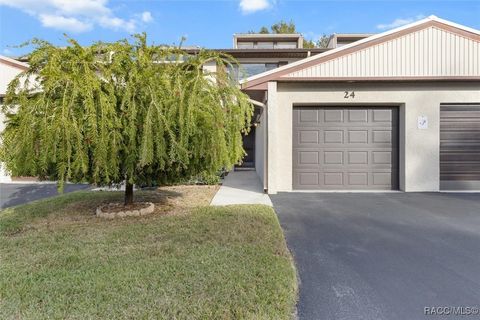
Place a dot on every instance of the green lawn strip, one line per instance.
(213, 263)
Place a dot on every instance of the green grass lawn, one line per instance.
(185, 261)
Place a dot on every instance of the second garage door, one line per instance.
(460, 147)
(345, 148)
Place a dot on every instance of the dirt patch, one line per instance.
(118, 207)
(188, 196)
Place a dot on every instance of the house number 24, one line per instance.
(349, 94)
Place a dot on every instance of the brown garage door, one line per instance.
(460, 146)
(349, 148)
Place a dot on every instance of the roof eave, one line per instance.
(13, 63)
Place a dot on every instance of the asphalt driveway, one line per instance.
(383, 255)
(12, 194)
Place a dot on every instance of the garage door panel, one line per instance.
(382, 157)
(460, 136)
(382, 178)
(333, 136)
(383, 115)
(333, 178)
(358, 157)
(308, 136)
(463, 147)
(360, 115)
(332, 115)
(308, 158)
(462, 168)
(463, 157)
(307, 180)
(356, 148)
(358, 136)
(382, 136)
(333, 157)
(358, 178)
(460, 146)
(308, 116)
(462, 177)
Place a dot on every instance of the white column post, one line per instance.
(272, 105)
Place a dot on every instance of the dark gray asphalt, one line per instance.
(15, 194)
(383, 256)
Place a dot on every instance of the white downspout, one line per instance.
(257, 103)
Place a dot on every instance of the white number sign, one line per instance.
(422, 122)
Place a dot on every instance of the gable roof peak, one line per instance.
(270, 75)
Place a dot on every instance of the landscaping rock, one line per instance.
(111, 211)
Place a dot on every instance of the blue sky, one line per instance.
(208, 23)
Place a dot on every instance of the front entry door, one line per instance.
(249, 147)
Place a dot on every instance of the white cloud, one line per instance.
(63, 23)
(400, 22)
(147, 17)
(83, 7)
(76, 15)
(117, 23)
(250, 6)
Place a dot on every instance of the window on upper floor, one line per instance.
(267, 45)
(246, 70)
(264, 45)
(245, 45)
(285, 45)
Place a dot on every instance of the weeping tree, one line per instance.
(122, 112)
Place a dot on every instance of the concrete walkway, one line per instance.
(241, 187)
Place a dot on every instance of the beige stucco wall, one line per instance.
(419, 148)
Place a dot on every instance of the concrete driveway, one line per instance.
(383, 255)
(12, 194)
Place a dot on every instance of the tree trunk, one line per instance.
(128, 193)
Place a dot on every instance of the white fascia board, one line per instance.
(13, 61)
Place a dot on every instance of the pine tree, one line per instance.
(123, 111)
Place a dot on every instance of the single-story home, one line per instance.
(399, 110)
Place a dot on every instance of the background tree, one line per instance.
(283, 27)
(322, 42)
(308, 44)
(114, 112)
(263, 30)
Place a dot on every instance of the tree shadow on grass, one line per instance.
(16, 194)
